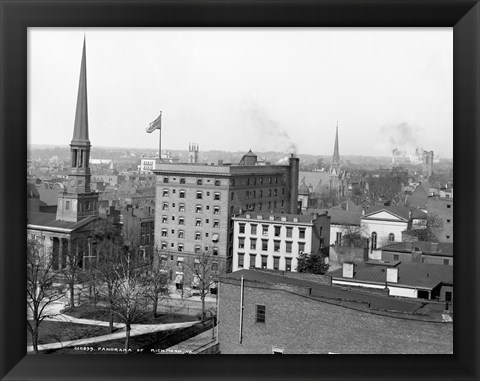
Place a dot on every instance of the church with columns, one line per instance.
(77, 209)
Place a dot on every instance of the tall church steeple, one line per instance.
(336, 154)
(78, 201)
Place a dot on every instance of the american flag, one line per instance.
(155, 125)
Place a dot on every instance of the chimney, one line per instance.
(348, 269)
(410, 214)
(294, 164)
(392, 274)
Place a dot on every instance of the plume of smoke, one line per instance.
(269, 132)
(401, 136)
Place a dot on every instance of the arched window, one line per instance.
(374, 240)
(391, 237)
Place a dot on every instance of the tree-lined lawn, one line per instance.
(53, 332)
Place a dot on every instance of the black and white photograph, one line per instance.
(240, 191)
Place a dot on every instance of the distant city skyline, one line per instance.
(255, 88)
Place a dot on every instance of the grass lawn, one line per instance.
(88, 311)
(52, 332)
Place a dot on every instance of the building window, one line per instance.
(276, 263)
(446, 262)
(338, 239)
(264, 244)
(87, 205)
(199, 182)
(259, 206)
(283, 191)
(180, 248)
(198, 209)
(260, 314)
(283, 203)
(216, 196)
(232, 196)
(165, 180)
(275, 192)
(253, 244)
(217, 183)
(288, 248)
(67, 205)
(374, 241)
(164, 245)
(164, 232)
(173, 218)
(449, 206)
(216, 210)
(264, 229)
(182, 180)
(391, 237)
(182, 194)
(165, 193)
(288, 264)
(448, 221)
(215, 251)
(241, 243)
(241, 228)
(165, 206)
(198, 222)
(216, 223)
(181, 234)
(199, 195)
(253, 229)
(301, 233)
(301, 247)
(215, 266)
(240, 260)
(289, 232)
(276, 246)
(181, 221)
(277, 231)
(232, 182)
(198, 236)
(164, 219)
(264, 261)
(448, 296)
(252, 260)
(396, 257)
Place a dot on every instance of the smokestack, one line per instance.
(294, 164)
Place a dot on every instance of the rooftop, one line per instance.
(398, 210)
(277, 217)
(48, 220)
(443, 248)
(340, 216)
(322, 291)
(419, 275)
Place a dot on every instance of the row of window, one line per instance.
(263, 262)
(276, 245)
(255, 181)
(181, 234)
(180, 263)
(180, 247)
(182, 193)
(198, 221)
(198, 208)
(81, 206)
(183, 180)
(271, 192)
(277, 230)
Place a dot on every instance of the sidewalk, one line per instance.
(137, 329)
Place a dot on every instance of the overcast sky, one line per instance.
(239, 89)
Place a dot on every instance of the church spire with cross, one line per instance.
(77, 201)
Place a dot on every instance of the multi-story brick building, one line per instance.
(269, 313)
(274, 241)
(195, 202)
(442, 208)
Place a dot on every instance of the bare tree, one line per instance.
(73, 261)
(354, 235)
(108, 247)
(156, 281)
(129, 302)
(41, 291)
(203, 269)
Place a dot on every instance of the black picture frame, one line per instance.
(16, 16)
